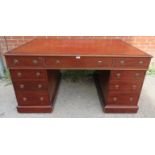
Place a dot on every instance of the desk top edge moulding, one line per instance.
(35, 71)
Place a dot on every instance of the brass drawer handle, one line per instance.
(100, 62)
(57, 61)
(134, 87)
(38, 74)
(15, 61)
(35, 61)
(122, 62)
(21, 86)
(116, 86)
(141, 62)
(137, 74)
(24, 99)
(114, 99)
(131, 99)
(41, 98)
(118, 75)
(19, 74)
(39, 85)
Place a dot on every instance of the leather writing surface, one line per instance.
(66, 47)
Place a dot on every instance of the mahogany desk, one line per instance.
(120, 71)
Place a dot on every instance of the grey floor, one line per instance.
(78, 99)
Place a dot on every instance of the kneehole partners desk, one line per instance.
(35, 71)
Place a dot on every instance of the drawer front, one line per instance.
(24, 61)
(32, 99)
(30, 86)
(141, 63)
(125, 86)
(127, 75)
(28, 74)
(123, 99)
(78, 62)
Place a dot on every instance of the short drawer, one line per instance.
(24, 61)
(125, 86)
(28, 74)
(30, 86)
(78, 62)
(141, 63)
(32, 99)
(127, 75)
(122, 99)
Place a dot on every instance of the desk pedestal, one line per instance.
(119, 91)
(35, 90)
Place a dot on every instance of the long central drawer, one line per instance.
(78, 62)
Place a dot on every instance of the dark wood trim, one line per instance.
(120, 109)
(35, 109)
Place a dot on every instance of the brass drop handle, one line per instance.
(118, 75)
(38, 74)
(39, 85)
(131, 99)
(116, 86)
(141, 62)
(15, 61)
(21, 86)
(19, 74)
(137, 74)
(134, 87)
(24, 99)
(41, 98)
(114, 99)
(57, 61)
(122, 62)
(35, 61)
(99, 62)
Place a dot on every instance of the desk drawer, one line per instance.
(78, 62)
(125, 86)
(127, 75)
(30, 86)
(31, 99)
(141, 63)
(123, 99)
(28, 74)
(24, 61)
